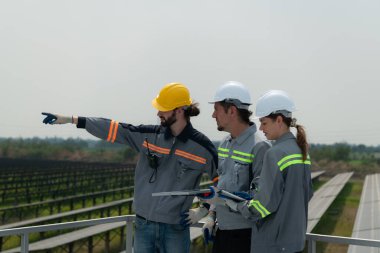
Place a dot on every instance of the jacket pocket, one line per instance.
(240, 175)
(187, 170)
(221, 168)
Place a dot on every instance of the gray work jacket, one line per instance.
(281, 204)
(236, 157)
(181, 162)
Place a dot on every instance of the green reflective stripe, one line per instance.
(259, 207)
(287, 158)
(224, 149)
(291, 157)
(242, 159)
(284, 166)
(243, 153)
(253, 204)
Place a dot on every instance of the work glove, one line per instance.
(233, 204)
(56, 119)
(194, 215)
(243, 195)
(208, 228)
(213, 198)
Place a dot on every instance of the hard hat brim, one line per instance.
(159, 107)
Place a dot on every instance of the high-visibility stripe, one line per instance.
(190, 156)
(284, 166)
(247, 157)
(288, 157)
(216, 179)
(242, 159)
(291, 157)
(110, 130)
(224, 149)
(155, 148)
(259, 207)
(116, 126)
(243, 153)
(253, 204)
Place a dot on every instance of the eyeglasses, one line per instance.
(153, 162)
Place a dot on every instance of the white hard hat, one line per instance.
(275, 101)
(235, 93)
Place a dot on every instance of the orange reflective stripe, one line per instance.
(215, 180)
(110, 131)
(190, 156)
(116, 126)
(158, 149)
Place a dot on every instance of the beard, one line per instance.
(169, 121)
(219, 127)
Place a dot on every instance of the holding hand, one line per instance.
(213, 198)
(208, 228)
(194, 215)
(56, 119)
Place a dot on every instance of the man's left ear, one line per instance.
(233, 109)
(279, 119)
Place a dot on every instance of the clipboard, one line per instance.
(222, 193)
(182, 193)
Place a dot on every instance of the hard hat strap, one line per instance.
(286, 114)
(237, 103)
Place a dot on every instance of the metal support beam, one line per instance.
(312, 246)
(129, 236)
(25, 242)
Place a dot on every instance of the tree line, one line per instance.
(99, 150)
(65, 149)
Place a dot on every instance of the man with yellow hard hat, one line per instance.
(173, 156)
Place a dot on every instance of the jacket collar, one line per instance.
(284, 137)
(247, 133)
(183, 136)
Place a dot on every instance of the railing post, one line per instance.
(24, 242)
(312, 247)
(129, 236)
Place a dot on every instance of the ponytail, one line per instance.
(301, 141)
(191, 111)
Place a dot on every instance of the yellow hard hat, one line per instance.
(171, 96)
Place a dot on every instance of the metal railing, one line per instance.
(314, 238)
(24, 232)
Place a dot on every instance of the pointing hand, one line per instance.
(56, 118)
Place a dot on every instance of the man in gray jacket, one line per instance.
(173, 156)
(279, 209)
(240, 158)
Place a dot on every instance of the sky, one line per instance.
(110, 59)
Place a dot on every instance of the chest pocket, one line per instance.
(187, 170)
(240, 175)
(221, 167)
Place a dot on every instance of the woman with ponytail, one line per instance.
(279, 208)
